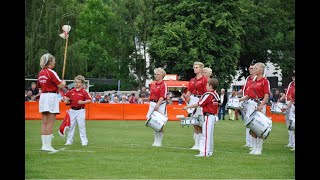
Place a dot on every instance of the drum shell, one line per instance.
(276, 108)
(260, 124)
(186, 121)
(156, 121)
(233, 103)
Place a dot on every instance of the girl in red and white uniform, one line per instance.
(209, 104)
(197, 86)
(157, 98)
(50, 83)
(259, 90)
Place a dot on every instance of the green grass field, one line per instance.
(122, 150)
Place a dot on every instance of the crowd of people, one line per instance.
(203, 103)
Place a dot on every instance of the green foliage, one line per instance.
(122, 150)
(187, 31)
(268, 25)
(111, 38)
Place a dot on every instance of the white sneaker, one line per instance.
(258, 151)
(199, 155)
(253, 151)
(84, 144)
(49, 148)
(68, 143)
(195, 147)
(289, 145)
(293, 149)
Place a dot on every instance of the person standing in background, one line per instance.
(222, 104)
(50, 83)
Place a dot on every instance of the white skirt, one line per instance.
(49, 102)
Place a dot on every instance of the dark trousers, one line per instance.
(222, 112)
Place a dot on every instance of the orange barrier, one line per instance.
(101, 111)
(275, 117)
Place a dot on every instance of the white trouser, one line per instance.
(291, 133)
(206, 140)
(77, 117)
(248, 137)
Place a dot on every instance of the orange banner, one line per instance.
(102, 111)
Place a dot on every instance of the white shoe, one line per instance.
(195, 147)
(68, 143)
(293, 149)
(253, 151)
(199, 155)
(289, 145)
(49, 148)
(258, 151)
(84, 144)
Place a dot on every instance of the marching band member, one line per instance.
(197, 86)
(78, 97)
(209, 104)
(259, 90)
(157, 98)
(244, 91)
(50, 83)
(207, 72)
(288, 96)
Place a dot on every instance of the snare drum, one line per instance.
(276, 108)
(260, 124)
(156, 121)
(187, 121)
(233, 103)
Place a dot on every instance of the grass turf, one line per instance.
(122, 150)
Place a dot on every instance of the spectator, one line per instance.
(115, 100)
(144, 95)
(29, 96)
(123, 100)
(275, 96)
(105, 99)
(133, 99)
(35, 91)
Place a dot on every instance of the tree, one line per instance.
(269, 34)
(187, 31)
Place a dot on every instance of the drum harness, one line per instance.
(215, 96)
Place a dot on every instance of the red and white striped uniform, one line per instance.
(209, 104)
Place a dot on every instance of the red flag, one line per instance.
(64, 125)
